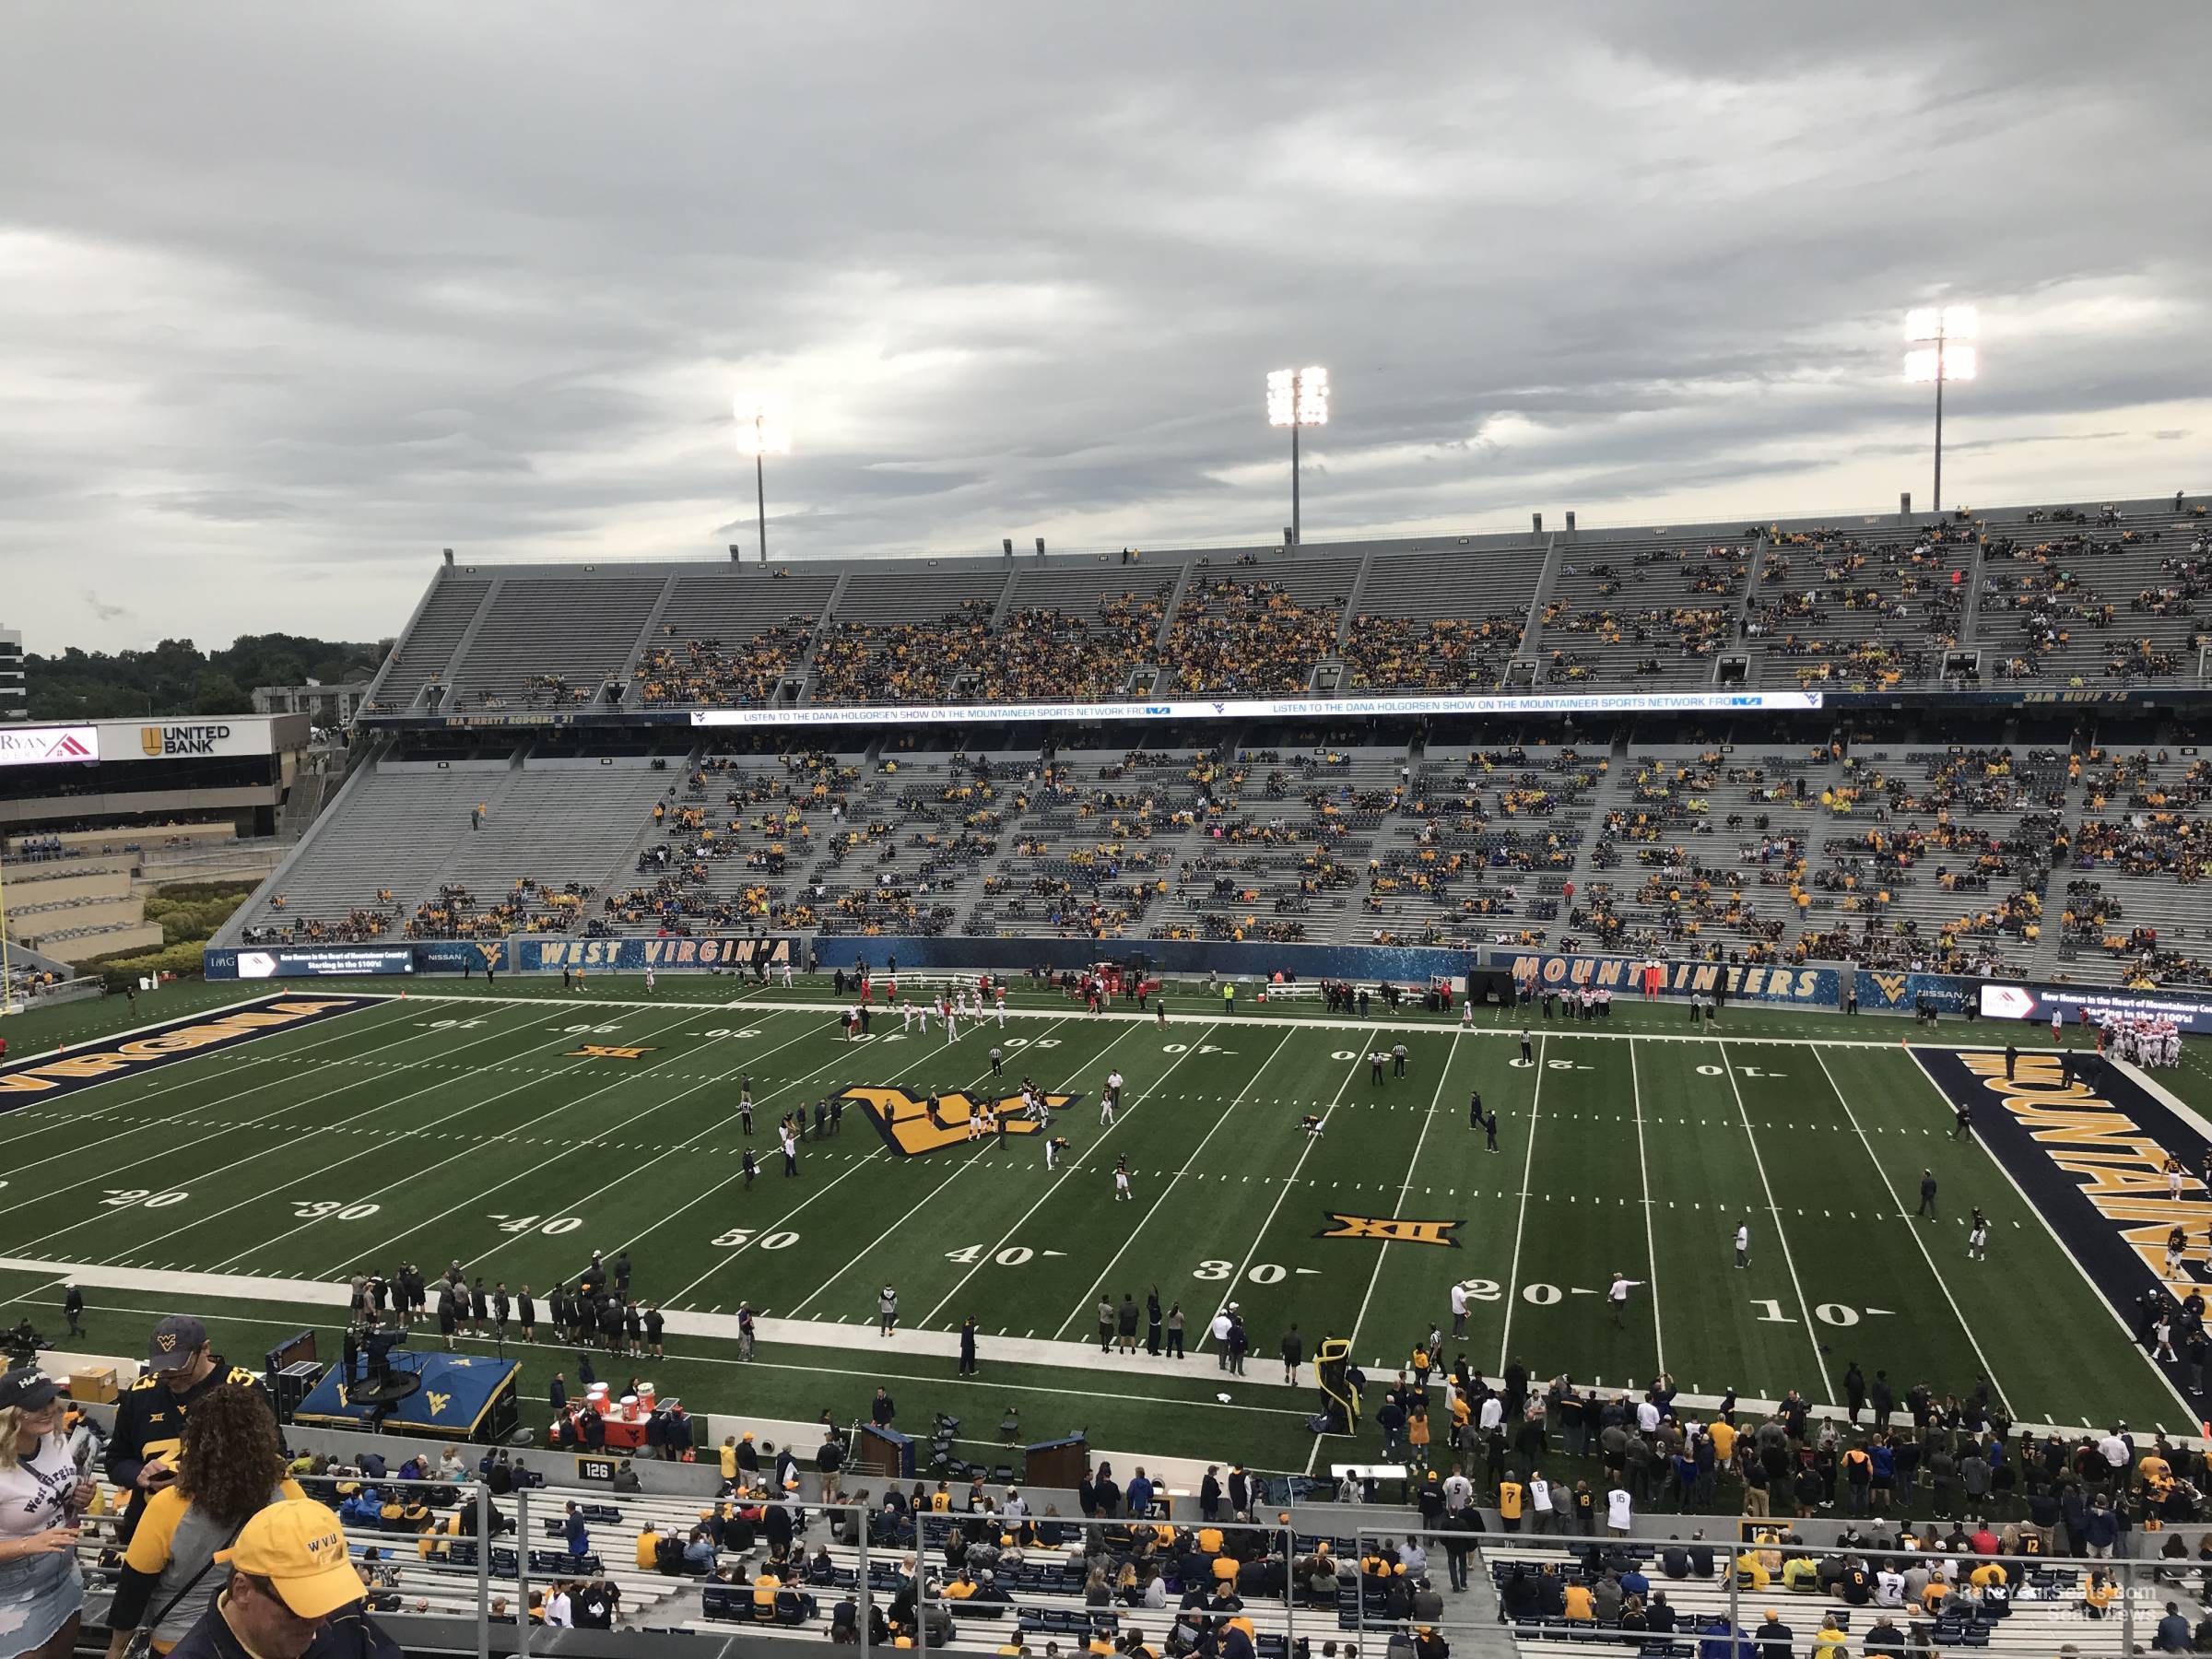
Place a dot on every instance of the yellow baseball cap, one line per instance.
(298, 1547)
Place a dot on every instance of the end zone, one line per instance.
(2089, 1154)
(50, 1076)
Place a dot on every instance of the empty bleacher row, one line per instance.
(2065, 595)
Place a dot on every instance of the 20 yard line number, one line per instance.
(141, 1198)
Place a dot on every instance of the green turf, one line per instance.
(476, 1136)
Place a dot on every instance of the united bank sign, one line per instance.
(155, 741)
(49, 745)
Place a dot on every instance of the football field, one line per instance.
(516, 1131)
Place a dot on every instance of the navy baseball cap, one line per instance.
(28, 1388)
(175, 1340)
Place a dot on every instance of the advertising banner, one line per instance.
(326, 961)
(2036, 1003)
(48, 745)
(682, 955)
(1296, 707)
(197, 738)
(1627, 976)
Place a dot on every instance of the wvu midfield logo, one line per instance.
(911, 1129)
(1391, 1230)
(1891, 986)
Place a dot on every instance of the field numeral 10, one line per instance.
(1834, 1313)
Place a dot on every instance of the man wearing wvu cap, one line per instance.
(149, 1419)
(289, 1575)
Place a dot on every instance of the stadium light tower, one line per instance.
(1940, 348)
(763, 428)
(1298, 397)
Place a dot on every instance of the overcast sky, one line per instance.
(292, 296)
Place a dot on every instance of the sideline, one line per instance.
(849, 1338)
(1503, 1027)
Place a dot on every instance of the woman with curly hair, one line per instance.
(231, 1468)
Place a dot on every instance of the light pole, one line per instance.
(1298, 397)
(763, 428)
(1936, 337)
(7, 995)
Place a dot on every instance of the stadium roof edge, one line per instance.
(1381, 542)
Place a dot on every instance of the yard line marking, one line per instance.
(1384, 1248)
(1229, 1289)
(512, 1134)
(373, 1250)
(1083, 1303)
(2189, 1411)
(226, 1130)
(1782, 1234)
(724, 1122)
(966, 1164)
(1073, 1163)
(1650, 1243)
(1528, 1166)
(1987, 1370)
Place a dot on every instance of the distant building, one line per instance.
(15, 697)
(324, 705)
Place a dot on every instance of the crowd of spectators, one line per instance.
(1445, 654)
(722, 674)
(1247, 638)
(529, 906)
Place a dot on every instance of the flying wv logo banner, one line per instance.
(911, 1129)
(50, 1075)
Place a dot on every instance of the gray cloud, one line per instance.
(303, 304)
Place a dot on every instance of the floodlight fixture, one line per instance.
(1298, 397)
(1937, 337)
(763, 426)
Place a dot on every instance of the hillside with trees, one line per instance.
(177, 679)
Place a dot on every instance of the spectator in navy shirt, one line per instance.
(580, 1540)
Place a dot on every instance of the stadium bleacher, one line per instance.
(1881, 852)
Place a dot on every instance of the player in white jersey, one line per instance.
(1002, 1007)
(906, 1017)
(649, 979)
(786, 974)
(1466, 1014)
(1121, 1179)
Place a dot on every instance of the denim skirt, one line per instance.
(38, 1595)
